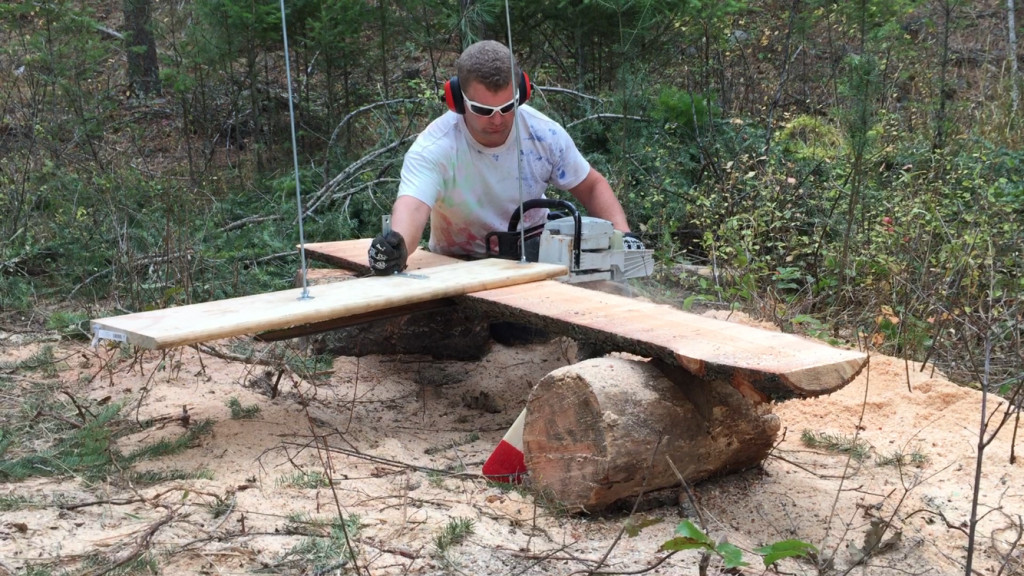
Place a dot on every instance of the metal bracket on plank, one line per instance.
(104, 334)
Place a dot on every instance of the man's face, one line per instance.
(490, 131)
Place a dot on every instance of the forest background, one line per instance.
(846, 170)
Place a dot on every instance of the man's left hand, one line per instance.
(631, 241)
(387, 254)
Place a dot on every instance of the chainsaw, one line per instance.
(589, 247)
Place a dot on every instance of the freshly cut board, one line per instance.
(761, 364)
(183, 325)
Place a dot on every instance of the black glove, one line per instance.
(388, 254)
(631, 241)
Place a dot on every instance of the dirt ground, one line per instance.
(389, 432)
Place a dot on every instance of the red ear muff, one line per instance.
(456, 103)
(453, 96)
(524, 87)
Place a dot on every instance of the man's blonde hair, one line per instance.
(488, 63)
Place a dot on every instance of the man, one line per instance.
(462, 172)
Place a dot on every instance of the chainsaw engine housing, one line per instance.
(601, 254)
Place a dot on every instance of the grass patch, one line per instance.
(221, 506)
(153, 477)
(310, 367)
(15, 502)
(454, 533)
(40, 570)
(172, 446)
(42, 361)
(329, 552)
(858, 449)
(900, 459)
(240, 412)
(50, 442)
(85, 450)
(70, 324)
(145, 563)
(305, 479)
(308, 525)
(435, 479)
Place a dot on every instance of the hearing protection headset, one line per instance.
(456, 103)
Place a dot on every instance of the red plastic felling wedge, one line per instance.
(507, 463)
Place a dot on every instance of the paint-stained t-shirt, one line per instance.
(473, 190)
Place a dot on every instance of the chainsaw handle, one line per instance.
(553, 204)
(549, 203)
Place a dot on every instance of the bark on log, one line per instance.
(605, 429)
(437, 328)
(452, 333)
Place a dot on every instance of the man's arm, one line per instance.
(596, 195)
(409, 218)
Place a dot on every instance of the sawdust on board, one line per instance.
(388, 430)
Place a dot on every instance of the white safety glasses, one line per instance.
(487, 111)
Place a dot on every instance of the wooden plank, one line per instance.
(351, 255)
(760, 363)
(183, 325)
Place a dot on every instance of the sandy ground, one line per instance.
(393, 433)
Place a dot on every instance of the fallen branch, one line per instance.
(103, 502)
(248, 222)
(605, 116)
(558, 90)
(389, 462)
(142, 544)
(231, 357)
(348, 173)
(358, 111)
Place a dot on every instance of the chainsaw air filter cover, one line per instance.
(596, 233)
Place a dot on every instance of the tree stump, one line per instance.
(607, 429)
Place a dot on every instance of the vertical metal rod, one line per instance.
(295, 153)
(515, 123)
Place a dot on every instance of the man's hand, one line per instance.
(388, 254)
(631, 241)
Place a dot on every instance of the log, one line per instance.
(606, 429)
(449, 333)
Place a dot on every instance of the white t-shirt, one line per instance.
(473, 190)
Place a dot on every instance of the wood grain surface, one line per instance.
(170, 327)
(761, 364)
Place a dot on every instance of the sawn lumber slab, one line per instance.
(760, 363)
(183, 325)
